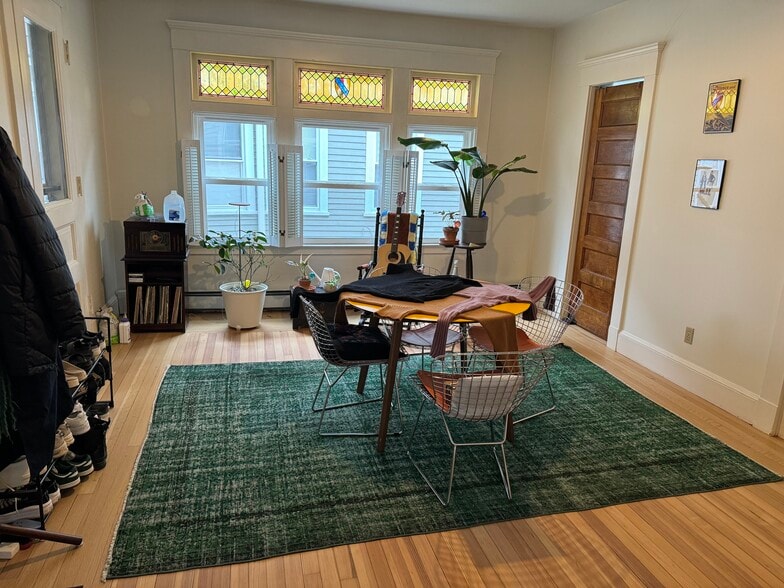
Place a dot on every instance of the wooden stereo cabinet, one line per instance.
(156, 255)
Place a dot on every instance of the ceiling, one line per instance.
(534, 13)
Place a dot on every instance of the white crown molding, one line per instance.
(329, 39)
(634, 53)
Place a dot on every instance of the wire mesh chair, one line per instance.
(421, 335)
(554, 312)
(478, 387)
(345, 347)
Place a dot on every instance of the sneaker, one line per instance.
(60, 446)
(52, 489)
(66, 432)
(73, 374)
(15, 474)
(82, 463)
(65, 474)
(77, 421)
(25, 507)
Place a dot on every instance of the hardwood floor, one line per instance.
(726, 538)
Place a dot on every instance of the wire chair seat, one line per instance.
(476, 387)
(555, 311)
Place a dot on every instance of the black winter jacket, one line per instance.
(38, 301)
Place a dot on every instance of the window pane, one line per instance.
(46, 109)
(228, 79)
(221, 216)
(437, 188)
(347, 220)
(235, 170)
(342, 174)
(234, 149)
(436, 94)
(340, 87)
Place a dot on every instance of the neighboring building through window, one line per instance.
(437, 187)
(235, 169)
(342, 179)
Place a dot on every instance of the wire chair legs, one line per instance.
(498, 446)
(552, 398)
(323, 409)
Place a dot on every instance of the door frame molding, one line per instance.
(630, 64)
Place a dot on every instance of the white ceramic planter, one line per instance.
(473, 229)
(243, 309)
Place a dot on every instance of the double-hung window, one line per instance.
(235, 168)
(437, 187)
(342, 179)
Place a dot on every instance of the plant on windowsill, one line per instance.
(451, 226)
(241, 255)
(475, 178)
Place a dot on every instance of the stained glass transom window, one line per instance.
(226, 79)
(437, 94)
(325, 87)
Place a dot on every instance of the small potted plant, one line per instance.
(303, 281)
(451, 226)
(241, 255)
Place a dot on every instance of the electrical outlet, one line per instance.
(688, 337)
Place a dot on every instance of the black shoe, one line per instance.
(82, 463)
(52, 489)
(65, 474)
(26, 507)
(93, 443)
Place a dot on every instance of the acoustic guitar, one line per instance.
(393, 252)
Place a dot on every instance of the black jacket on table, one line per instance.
(39, 305)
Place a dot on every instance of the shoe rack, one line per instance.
(103, 324)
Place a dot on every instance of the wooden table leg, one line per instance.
(363, 371)
(389, 387)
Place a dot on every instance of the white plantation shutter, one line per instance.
(273, 230)
(190, 159)
(399, 174)
(286, 196)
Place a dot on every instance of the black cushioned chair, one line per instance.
(346, 346)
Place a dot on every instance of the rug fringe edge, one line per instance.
(105, 572)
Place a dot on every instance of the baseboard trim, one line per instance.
(736, 400)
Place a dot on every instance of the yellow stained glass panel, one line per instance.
(441, 95)
(234, 80)
(332, 87)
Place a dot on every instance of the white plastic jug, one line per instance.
(174, 208)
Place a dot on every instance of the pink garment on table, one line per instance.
(482, 296)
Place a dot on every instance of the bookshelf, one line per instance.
(155, 275)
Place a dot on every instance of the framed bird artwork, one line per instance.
(720, 110)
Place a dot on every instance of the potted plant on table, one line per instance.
(451, 226)
(303, 269)
(475, 178)
(241, 255)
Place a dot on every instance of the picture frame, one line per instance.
(721, 106)
(708, 180)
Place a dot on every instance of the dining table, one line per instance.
(498, 320)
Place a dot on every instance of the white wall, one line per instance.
(136, 71)
(717, 271)
(81, 97)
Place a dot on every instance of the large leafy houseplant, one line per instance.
(241, 255)
(475, 177)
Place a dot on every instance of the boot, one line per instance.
(93, 442)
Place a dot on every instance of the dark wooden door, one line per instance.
(607, 167)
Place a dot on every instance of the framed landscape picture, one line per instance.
(720, 110)
(708, 178)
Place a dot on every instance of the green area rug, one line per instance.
(233, 469)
